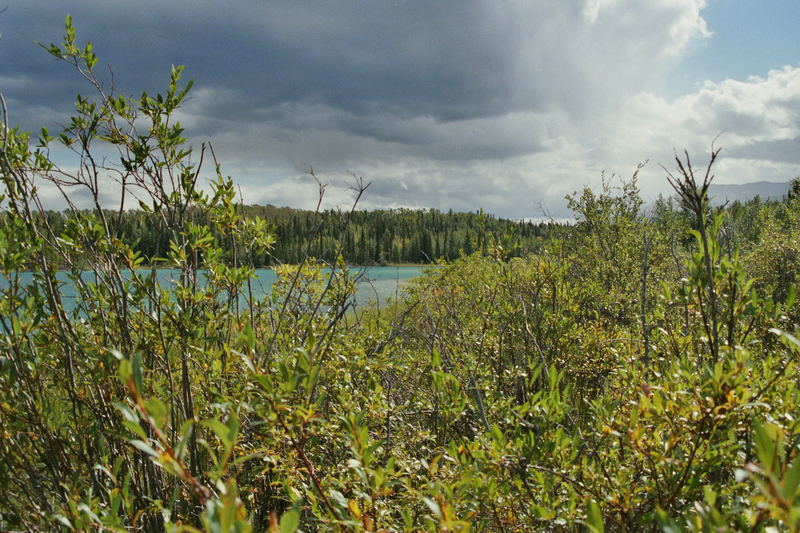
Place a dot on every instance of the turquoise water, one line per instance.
(375, 284)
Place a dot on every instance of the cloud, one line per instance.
(757, 123)
(450, 104)
(449, 60)
(776, 151)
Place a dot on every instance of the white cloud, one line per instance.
(757, 122)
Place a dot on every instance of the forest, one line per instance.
(635, 371)
(378, 237)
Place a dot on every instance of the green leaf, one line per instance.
(339, 498)
(136, 368)
(124, 371)
(186, 432)
(594, 519)
(219, 429)
(246, 360)
(436, 359)
(668, 525)
(433, 506)
(134, 428)
(290, 521)
(143, 446)
(657, 404)
(249, 338)
(226, 433)
(791, 480)
(157, 410)
(85, 509)
(767, 444)
(63, 520)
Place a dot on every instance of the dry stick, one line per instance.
(696, 200)
(778, 375)
(93, 183)
(5, 130)
(689, 462)
(318, 304)
(233, 296)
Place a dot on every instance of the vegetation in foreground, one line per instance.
(636, 374)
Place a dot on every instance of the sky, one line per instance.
(504, 105)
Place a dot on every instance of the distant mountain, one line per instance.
(766, 190)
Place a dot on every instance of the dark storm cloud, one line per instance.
(447, 60)
(783, 150)
(325, 81)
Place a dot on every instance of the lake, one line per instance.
(375, 284)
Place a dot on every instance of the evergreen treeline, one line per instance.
(362, 237)
(393, 236)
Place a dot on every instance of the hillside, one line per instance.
(766, 190)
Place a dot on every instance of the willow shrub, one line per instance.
(138, 405)
(549, 416)
(153, 449)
